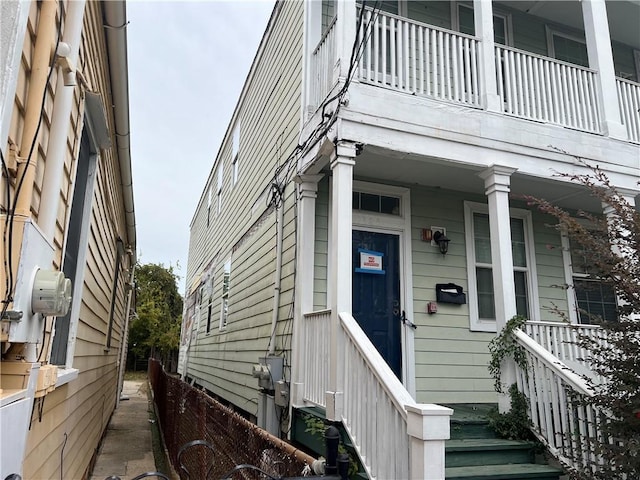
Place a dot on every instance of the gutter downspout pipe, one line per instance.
(45, 43)
(115, 16)
(278, 277)
(124, 343)
(54, 169)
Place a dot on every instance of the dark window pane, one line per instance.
(570, 51)
(390, 205)
(369, 202)
(596, 301)
(522, 303)
(499, 30)
(356, 200)
(465, 19)
(486, 306)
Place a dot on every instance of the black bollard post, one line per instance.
(332, 439)
(343, 466)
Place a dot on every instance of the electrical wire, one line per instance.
(10, 220)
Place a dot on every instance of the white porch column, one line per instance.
(306, 227)
(346, 34)
(342, 165)
(596, 28)
(483, 12)
(497, 180)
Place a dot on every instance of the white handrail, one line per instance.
(378, 366)
(560, 417)
(392, 434)
(554, 364)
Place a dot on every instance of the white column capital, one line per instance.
(307, 185)
(344, 152)
(497, 178)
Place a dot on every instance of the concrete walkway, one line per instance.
(126, 450)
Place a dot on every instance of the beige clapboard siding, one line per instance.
(81, 409)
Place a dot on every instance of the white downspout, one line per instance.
(278, 279)
(124, 347)
(54, 170)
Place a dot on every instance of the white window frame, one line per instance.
(235, 150)
(476, 323)
(505, 16)
(570, 275)
(224, 296)
(551, 45)
(219, 188)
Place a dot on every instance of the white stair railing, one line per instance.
(394, 436)
(629, 101)
(547, 90)
(315, 356)
(561, 419)
(561, 339)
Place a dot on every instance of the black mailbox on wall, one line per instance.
(450, 293)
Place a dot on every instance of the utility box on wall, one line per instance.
(36, 253)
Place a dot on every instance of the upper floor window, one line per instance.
(219, 188)
(224, 303)
(480, 265)
(235, 150)
(209, 206)
(566, 47)
(463, 21)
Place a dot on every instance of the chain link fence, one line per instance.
(187, 414)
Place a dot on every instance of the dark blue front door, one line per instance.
(376, 292)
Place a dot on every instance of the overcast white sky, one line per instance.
(187, 64)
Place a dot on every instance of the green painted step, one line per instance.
(520, 471)
(470, 421)
(487, 451)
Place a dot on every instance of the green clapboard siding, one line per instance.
(244, 230)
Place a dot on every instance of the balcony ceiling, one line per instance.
(624, 16)
(374, 164)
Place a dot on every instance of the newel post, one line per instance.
(428, 429)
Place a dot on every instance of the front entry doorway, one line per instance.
(376, 292)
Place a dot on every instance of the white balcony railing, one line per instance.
(323, 60)
(561, 421)
(419, 59)
(547, 90)
(629, 101)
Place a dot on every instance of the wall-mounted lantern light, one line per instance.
(442, 241)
